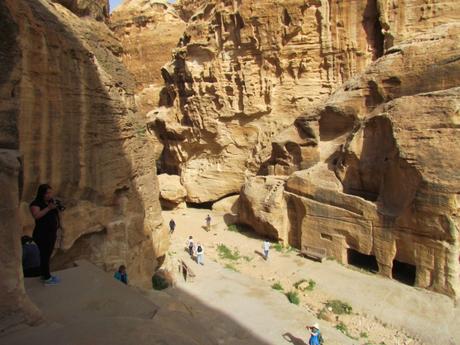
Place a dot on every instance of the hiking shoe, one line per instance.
(52, 281)
(56, 279)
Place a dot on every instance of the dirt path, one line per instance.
(384, 311)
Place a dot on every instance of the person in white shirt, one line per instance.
(266, 248)
(199, 251)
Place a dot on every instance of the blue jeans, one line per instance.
(266, 254)
(199, 259)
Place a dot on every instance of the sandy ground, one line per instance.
(384, 311)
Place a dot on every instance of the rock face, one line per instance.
(67, 107)
(378, 172)
(243, 72)
(15, 306)
(148, 31)
(172, 193)
(97, 9)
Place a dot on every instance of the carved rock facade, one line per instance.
(378, 171)
(242, 72)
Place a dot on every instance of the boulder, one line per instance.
(172, 193)
(227, 205)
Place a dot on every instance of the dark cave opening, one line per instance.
(404, 273)
(362, 261)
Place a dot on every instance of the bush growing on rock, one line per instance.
(338, 307)
(293, 297)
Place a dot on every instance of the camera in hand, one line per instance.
(59, 205)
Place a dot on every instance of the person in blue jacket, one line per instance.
(121, 275)
(315, 335)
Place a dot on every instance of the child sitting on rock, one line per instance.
(121, 275)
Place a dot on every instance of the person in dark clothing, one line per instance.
(172, 226)
(121, 275)
(46, 215)
(30, 257)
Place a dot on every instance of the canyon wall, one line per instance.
(241, 73)
(148, 32)
(373, 172)
(336, 117)
(69, 119)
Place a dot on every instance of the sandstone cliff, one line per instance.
(363, 168)
(97, 9)
(148, 32)
(68, 114)
(241, 73)
(378, 167)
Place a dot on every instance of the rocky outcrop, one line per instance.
(262, 206)
(97, 9)
(148, 31)
(172, 193)
(227, 205)
(379, 180)
(68, 110)
(15, 306)
(243, 72)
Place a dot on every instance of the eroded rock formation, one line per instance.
(67, 106)
(242, 72)
(380, 176)
(172, 193)
(148, 31)
(97, 9)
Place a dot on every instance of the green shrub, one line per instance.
(233, 227)
(293, 297)
(241, 228)
(278, 247)
(344, 329)
(159, 282)
(227, 253)
(277, 286)
(363, 335)
(231, 267)
(310, 287)
(322, 314)
(338, 307)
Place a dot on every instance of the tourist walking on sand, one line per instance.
(266, 248)
(315, 335)
(199, 254)
(190, 246)
(208, 222)
(172, 226)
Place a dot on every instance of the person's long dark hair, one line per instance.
(41, 191)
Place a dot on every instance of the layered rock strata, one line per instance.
(378, 171)
(97, 9)
(242, 72)
(68, 113)
(148, 31)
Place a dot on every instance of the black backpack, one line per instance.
(199, 249)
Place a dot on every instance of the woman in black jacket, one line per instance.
(46, 215)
